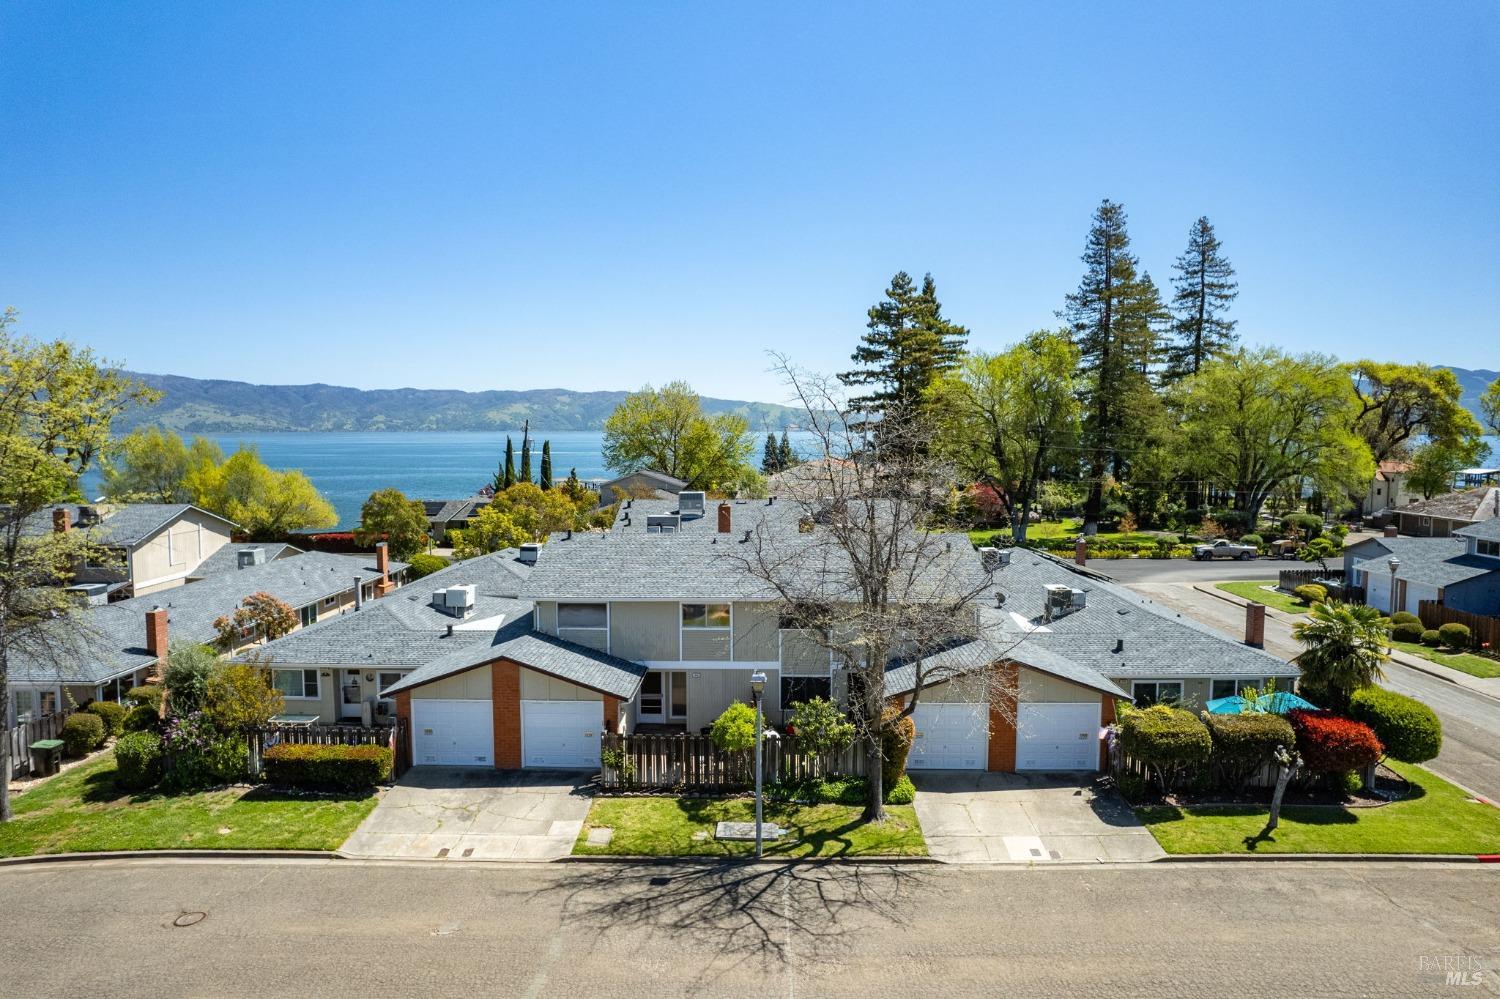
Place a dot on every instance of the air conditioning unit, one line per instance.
(529, 552)
(251, 556)
(691, 504)
(1061, 600)
(663, 523)
(459, 599)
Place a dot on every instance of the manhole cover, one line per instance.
(189, 918)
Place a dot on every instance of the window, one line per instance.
(330, 601)
(705, 615)
(1490, 548)
(1228, 688)
(795, 689)
(1156, 692)
(25, 701)
(298, 683)
(308, 614)
(583, 615)
(386, 706)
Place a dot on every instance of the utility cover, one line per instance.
(746, 830)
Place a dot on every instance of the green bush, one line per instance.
(1407, 632)
(138, 760)
(327, 768)
(147, 694)
(1407, 728)
(186, 679)
(819, 726)
(1311, 593)
(1171, 741)
(841, 790)
(734, 729)
(141, 718)
(112, 714)
(82, 732)
(1253, 539)
(198, 755)
(896, 736)
(1405, 617)
(1432, 637)
(1455, 636)
(1305, 526)
(423, 564)
(1242, 744)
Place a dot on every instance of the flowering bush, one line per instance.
(199, 756)
(1331, 743)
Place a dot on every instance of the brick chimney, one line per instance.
(1255, 625)
(62, 519)
(156, 632)
(1080, 552)
(1390, 531)
(726, 518)
(383, 566)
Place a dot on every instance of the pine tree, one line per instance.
(1205, 289)
(908, 343)
(546, 476)
(1144, 322)
(509, 478)
(770, 459)
(785, 456)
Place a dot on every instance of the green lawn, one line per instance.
(82, 810)
(1439, 819)
(664, 827)
(1253, 590)
(1468, 662)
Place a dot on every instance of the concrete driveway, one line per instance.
(974, 817)
(472, 813)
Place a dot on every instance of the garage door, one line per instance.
(563, 735)
(452, 733)
(1057, 736)
(950, 737)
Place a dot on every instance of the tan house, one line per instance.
(153, 546)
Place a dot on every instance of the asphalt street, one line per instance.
(1283, 928)
(1184, 570)
(1471, 720)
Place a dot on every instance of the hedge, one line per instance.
(1455, 635)
(82, 732)
(331, 768)
(138, 760)
(112, 714)
(1167, 739)
(1243, 744)
(1330, 743)
(1405, 617)
(146, 694)
(1407, 632)
(142, 718)
(1408, 729)
(1431, 638)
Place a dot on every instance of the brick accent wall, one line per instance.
(1002, 755)
(505, 702)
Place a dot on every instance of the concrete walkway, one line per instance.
(473, 813)
(976, 817)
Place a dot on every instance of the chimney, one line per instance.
(1080, 552)
(726, 518)
(156, 632)
(61, 520)
(1390, 531)
(359, 592)
(383, 566)
(1255, 625)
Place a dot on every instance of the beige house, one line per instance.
(154, 546)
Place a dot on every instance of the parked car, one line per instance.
(1224, 548)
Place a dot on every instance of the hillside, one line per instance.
(195, 405)
(1474, 383)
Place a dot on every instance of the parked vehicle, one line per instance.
(1224, 548)
(1285, 548)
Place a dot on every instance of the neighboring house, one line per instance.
(815, 477)
(522, 659)
(644, 483)
(451, 515)
(155, 546)
(1460, 571)
(234, 557)
(1443, 515)
(116, 646)
(1387, 490)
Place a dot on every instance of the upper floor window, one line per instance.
(583, 615)
(705, 615)
(1490, 548)
(308, 614)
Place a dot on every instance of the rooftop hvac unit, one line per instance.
(251, 556)
(1062, 600)
(663, 523)
(460, 599)
(529, 551)
(691, 504)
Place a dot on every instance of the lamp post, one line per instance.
(758, 688)
(1394, 563)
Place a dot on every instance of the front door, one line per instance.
(349, 694)
(663, 697)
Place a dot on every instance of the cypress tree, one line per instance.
(1205, 288)
(770, 460)
(546, 478)
(509, 479)
(525, 475)
(785, 456)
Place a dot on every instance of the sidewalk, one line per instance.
(1490, 687)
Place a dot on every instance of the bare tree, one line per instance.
(861, 560)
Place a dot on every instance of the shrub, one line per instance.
(1169, 740)
(112, 714)
(820, 727)
(896, 736)
(198, 756)
(138, 760)
(903, 792)
(1253, 539)
(1432, 638)
(239, 697)
(186, 677)
(1311, 593)
(329, 768)
(1407, 728)
(1407, 632)
(1455, 635)
(1242, 744)
(840, 791)
(150, 694)
(141, 718)
(734, 730)
(1330, 743)
(1405, 617)
(1302, 525)
(423, 564)
(81, 732)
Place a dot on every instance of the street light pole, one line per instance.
(1394, 563)
(757, 688)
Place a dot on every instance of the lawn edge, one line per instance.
(174, 854)
(1405, 858)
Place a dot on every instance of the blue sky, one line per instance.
(592, 196)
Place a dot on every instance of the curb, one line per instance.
(750, 861)
(53, 858)
(1358, 858)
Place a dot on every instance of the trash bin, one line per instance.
(46, 757)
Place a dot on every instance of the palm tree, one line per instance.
(1343, 647)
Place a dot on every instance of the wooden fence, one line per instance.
(20, 738)
(694, 763)
(1332, 580)
(1485, 630)
(394, 737)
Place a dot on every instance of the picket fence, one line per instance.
(693, 763)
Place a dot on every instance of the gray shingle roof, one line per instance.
(1485, 530)
(1479, 504)
(125, 525)
(974, 656)
(227, 558)
(1428, 561)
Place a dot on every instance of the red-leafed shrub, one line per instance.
(1331, 743)
(338, 542)
(986, 500)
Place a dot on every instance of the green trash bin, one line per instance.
(46, 757)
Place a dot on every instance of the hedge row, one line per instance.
(332, 768)
(1407, 728)
(1243, 744)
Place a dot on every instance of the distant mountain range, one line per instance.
(196, 405)
(1474, 383)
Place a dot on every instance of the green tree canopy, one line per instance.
(489, 530)
(150, 465)
(665, 430)
(400, 522)
(1489, 407)
(1400, 403)
(1204, 290)
(266, 503)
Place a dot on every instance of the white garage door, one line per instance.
(452, 733)
(950, 737)
(561, 734)
(1057, 736)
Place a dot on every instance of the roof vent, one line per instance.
(459, 600)
(999, 599)
(663, 523)
(251, 556)
(529, 552)
(691, 504)
(1119, 645)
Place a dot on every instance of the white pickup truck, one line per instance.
(1224, 548)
